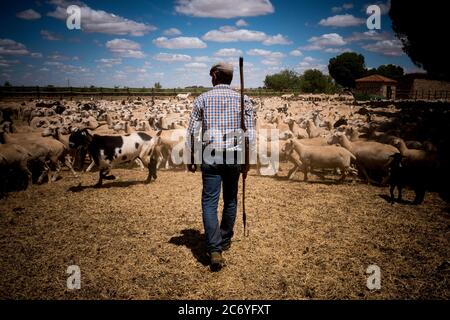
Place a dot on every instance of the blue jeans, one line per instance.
(214, 176)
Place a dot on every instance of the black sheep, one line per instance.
(401, 176)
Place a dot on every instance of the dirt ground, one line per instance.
(133, 241)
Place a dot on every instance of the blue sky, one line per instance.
(140, 42)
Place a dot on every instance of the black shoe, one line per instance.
(226, 246)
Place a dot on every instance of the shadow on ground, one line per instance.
(195, 241)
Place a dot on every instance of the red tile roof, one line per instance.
(376, 78)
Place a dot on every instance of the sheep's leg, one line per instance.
(305, 173)
(391, 191)
(420, 195)
(344, 174)
(292, 172)
(107, 175)
(297, 165)
(29, 175)
(68, 163)
(100, 178)
(57, 170)
(365, 174)
(400, 188)
(139, 163)
(152, 168)
(45, 171)
(90, 166)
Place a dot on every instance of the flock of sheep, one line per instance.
(322, 134)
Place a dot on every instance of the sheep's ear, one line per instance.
(159, 133)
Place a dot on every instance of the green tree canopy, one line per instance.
(158, 85)
(286, 79)
(346, 68)
(421, 27)
(388, 70)
(311, 81)
(314, 81)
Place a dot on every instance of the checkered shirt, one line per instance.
(218, 111)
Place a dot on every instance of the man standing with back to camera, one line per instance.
(218, 114)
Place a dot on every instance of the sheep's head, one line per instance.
(288, 147)
(79, 138)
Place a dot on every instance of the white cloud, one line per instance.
(52, 63)
(28, 14)
(234, 36)
(172, 32)
(323, 41)
(311, 63)
(370, 35)
(7, 63)
(125, 48)
(231, 34)
(109, 63)
(196, 65)
(57, 56)
(202, 59)
(168, 57)
(271, 62)
(11, 47)
(386, 47)
(228, 52)
(241, 23)
(345, 6)
(344, 20)
(101, 21)
(271, 58)
(295, 53)
(51, 36)
(278, 39)
(337, 50)
(179, 43)
(265, 53)
(224, 9)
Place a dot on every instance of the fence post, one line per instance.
(38, 92)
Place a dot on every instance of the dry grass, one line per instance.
(135, 241)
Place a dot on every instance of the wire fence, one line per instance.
(99, 93)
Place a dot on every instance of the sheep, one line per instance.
(313, 131)
(400, 176)
(298, 132)
(109, 150)
(14, 156)
(331, 157)
(413, 157)
(370, 155)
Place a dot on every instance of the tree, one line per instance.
(286, 79)
(421, 29)
(388, 70)
(346, 68)
(314, 81)
(7, 84)
(158, 85)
